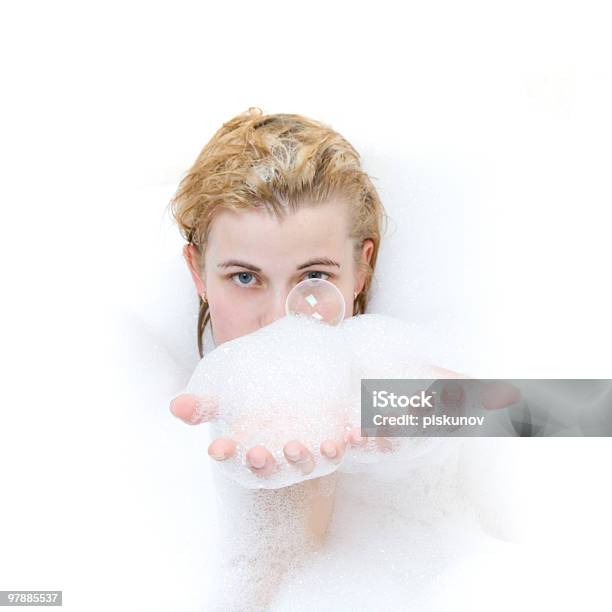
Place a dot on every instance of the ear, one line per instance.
(366, 255)
(193, 259)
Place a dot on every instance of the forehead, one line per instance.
(258, 235)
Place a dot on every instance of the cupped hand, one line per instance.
(194, 410)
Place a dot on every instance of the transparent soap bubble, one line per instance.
(317, 298)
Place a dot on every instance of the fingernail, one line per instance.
(197, 414)
(218, 456)
(330, 450)
(293, 455)
(258, 462)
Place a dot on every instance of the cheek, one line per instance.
(348, 298)
(347, 287)
(231, 318)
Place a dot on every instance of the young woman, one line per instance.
(270, 201)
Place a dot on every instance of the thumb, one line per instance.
(193, 409)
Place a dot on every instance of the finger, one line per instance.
(297, 454)
(354, 437)
(499, 395)
(222, 449)
(260, 460)
(333, 450)
(193, 409)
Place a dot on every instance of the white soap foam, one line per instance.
(288, 380)
(300, 379)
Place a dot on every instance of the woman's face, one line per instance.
(253, 260)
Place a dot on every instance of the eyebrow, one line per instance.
(317, 261)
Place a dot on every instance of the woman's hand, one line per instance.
(193, 411)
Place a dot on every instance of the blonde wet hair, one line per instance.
(279, 162)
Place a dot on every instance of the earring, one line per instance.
(355, 295)
(203, 296)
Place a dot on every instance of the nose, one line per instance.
(275, 309)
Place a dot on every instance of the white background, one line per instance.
(488, 128)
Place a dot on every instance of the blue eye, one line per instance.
(241, 276)
(242, 279)
(317, 272)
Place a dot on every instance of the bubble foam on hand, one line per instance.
(300, 379)
(286, 381)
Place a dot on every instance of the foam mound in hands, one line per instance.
(299, 379)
